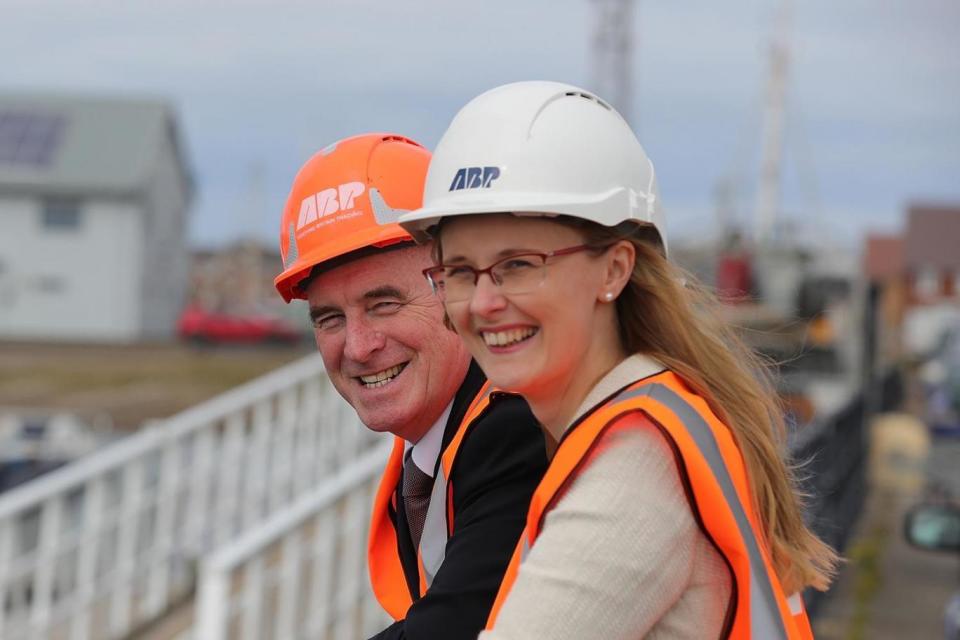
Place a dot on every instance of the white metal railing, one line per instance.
(109, 542)
(302, 573)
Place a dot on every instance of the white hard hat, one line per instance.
(539, 148)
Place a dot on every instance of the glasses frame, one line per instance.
(543, 255)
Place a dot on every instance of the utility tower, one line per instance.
(611, 51)
(768, 189)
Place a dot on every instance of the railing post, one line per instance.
(289, 587)
(253, 585)
(281, 459)
(258, 459)
(351, 564)
(213, 612)
(6, 559)
(50, 522)
(328, 441)
(228, 478)
(350, 439)
(312, 452)
(163, 534)
(128, 521)
(201, 472)
(322, 574)
(301, 446)
(88, 549)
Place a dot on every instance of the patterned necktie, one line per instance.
(416, 496)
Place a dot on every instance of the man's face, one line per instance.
(380, 331)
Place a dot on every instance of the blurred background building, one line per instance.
(94, 203)
(917, 276)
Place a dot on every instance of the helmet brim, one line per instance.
(288, 282)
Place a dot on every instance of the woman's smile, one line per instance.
(505, 339)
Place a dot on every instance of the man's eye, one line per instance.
(386, 308)
(331, 321)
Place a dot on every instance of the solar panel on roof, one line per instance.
(29, 138)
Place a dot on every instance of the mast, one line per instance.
(611, 53)
(768, 191)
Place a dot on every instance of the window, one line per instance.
(29, 138)
(927, 282)
(61, 214)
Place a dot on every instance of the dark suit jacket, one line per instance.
(500, 462)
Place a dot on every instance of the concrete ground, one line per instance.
(889, 590)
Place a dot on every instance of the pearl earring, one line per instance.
(608, 296)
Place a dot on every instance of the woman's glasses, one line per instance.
(521, 273)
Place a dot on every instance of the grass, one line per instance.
(866, 556)
(132, 383)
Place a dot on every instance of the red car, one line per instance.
(198, 325)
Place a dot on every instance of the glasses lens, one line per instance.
(459, 281)
(436, 282)
(453, 283)
(520, 274)
(516, 274)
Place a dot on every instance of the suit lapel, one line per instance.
(461, 403)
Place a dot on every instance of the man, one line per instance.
(453, 498)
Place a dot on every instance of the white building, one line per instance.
(93, 219)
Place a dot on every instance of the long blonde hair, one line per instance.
(663, 312)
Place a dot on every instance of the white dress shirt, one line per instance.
(427, 449)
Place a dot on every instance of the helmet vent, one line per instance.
(592, 98)
(396, 138)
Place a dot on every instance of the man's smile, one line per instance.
(381, 378)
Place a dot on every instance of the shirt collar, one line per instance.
(633, 368)
(427, 449)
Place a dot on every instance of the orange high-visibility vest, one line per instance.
(383, 559)
(714, 474)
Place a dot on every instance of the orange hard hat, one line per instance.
(348, 197)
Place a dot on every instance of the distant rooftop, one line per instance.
(70, 144)
(932, 237)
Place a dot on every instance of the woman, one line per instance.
(667, 510)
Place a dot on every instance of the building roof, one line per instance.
(932, 238)
(883, 259)
(78, 144)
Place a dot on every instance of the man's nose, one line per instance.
(487, 297)
(362, 340)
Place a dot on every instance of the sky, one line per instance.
(872, 121)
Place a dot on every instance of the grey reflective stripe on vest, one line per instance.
(433, 542)
(765, 621)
